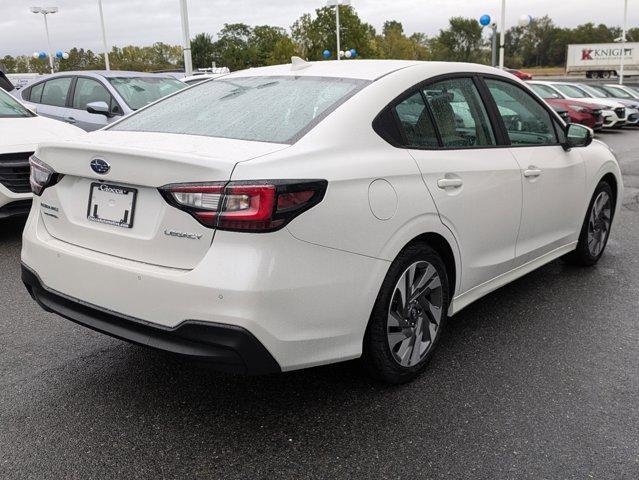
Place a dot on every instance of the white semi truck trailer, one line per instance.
(602, 60)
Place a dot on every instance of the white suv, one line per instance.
(290, 216)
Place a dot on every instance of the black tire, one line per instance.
(377, 358)
(582, 255)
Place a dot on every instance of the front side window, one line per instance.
(138, 92)
(11, 108)
(570, 91)
(415, 122)
(55, 91)
(87, 91)
(459, 113)
(526, 121)
(264, 109)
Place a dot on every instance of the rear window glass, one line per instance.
(265, 109)
(55, 91)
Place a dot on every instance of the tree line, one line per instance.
(238, 46)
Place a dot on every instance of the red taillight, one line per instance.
(41, 175)
(257, 206)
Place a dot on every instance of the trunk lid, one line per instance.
(121, 212)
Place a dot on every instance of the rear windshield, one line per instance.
(11, 108)
(264, 109)
(140, 91)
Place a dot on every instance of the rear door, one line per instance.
(88, 90)
(54, 97)
(475, 183)
(553, 179)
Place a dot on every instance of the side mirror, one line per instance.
(100, 108)
(577, 136)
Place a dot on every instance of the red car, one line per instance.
(587, 114)
(519, 74)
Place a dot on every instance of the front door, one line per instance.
(553, 179)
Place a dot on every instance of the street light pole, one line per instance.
(336, 4)
(186, 39)
(104, 41)
(46, 11)
(502, 34)
(623, 40)
(337, 29)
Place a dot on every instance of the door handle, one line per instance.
(449, 182)
(532, 172)
(71, 120)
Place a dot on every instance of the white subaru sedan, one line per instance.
(290, 216)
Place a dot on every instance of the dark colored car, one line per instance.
(519, 74)
(585, 113)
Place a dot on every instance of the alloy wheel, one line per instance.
(415, 313)
(599, 223)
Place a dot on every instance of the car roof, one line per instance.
(105, 74)
(354, 69)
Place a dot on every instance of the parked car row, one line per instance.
(596, 106)
(283, 217)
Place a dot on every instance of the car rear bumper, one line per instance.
(229, 348)
(306, 304)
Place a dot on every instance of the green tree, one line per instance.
(202, 50)
(394, 44)
(314, 35)
(460, 42)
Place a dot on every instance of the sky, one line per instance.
(143, 22)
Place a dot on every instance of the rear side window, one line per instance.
(415, 122)
(459, 113)
(266, 109)
(55, 91)
(526, 121)
(36, 93)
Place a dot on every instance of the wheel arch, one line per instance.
(440, 244)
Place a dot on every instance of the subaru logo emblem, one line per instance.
(100, 166)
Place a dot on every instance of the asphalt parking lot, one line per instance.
(538, 380)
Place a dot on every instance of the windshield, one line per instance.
(618, 92)
(596, 92)
(570, 91)
(11, 108)
(544, 91)
(265, 109)
(140, 91)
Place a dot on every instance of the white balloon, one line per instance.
(347, 54)
(36, 55)
(65, 55)
(524, 20)
(341, 53)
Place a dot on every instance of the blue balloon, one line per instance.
(353, 53)
(326, 53)
(59, 53)
(484, 20)
(42, 55)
